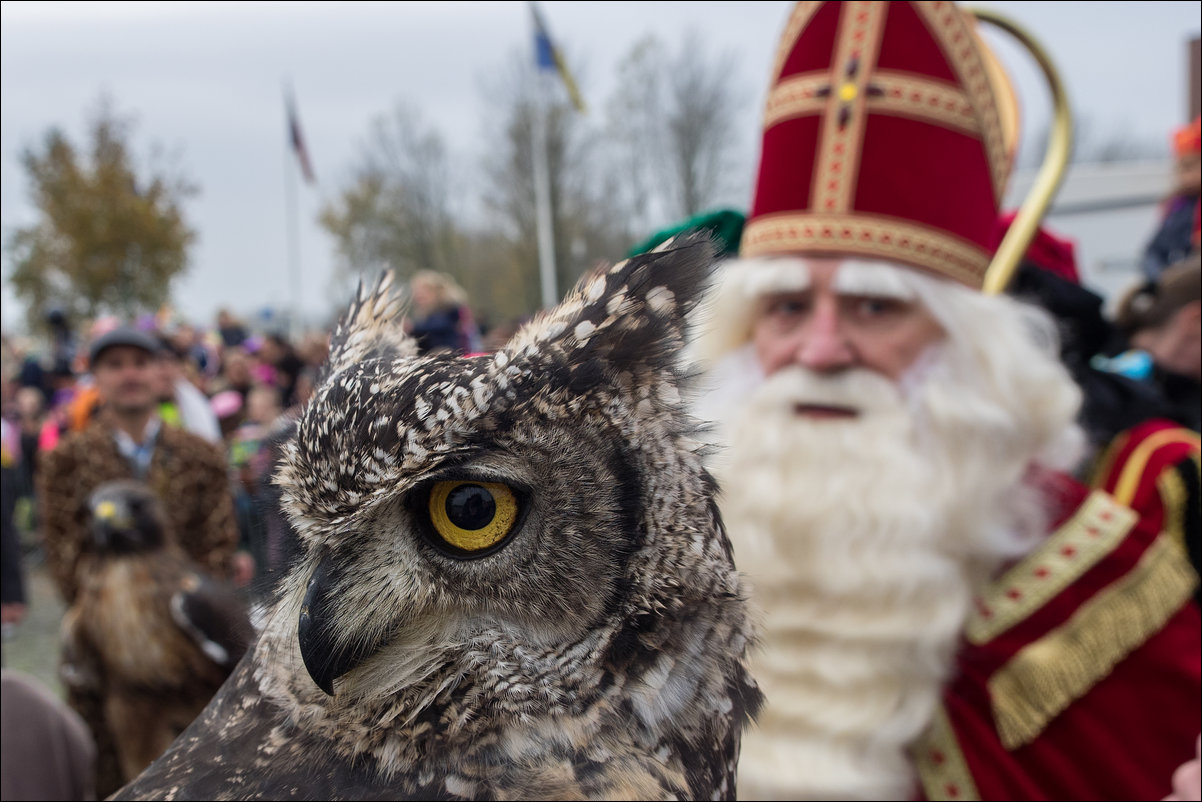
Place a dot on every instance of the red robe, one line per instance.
(1156, 468)
(1080, 675)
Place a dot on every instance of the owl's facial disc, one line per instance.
(463, 517)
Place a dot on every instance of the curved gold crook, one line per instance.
(1055, 161)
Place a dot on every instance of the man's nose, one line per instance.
(824, 345)
(132, 370)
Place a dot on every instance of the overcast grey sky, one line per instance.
(203, 79)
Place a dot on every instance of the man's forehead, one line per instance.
(847, 277)
(122, 353)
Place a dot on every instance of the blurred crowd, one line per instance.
(228, 384)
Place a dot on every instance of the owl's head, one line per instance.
(526, 524)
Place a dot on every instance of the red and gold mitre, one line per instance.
(889, 133)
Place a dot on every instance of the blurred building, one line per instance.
(1111, 209)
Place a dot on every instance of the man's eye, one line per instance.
(787, 307)
(875, 307)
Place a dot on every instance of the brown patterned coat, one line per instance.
(186, 472)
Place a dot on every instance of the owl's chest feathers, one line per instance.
(487, 750)
(128, 609)
(585, 716)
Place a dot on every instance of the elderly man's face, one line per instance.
(848, 316)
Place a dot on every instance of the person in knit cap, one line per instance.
(946, 612)
(1177, 235)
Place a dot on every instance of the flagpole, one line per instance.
(542, 195)
(293, 227)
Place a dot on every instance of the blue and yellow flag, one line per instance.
(548, 57)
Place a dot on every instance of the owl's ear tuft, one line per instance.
(370, 328)
(633, 314)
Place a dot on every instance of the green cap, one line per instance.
(725, 224)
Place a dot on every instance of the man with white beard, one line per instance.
(945, 612)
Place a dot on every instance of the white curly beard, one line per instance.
(862, 539)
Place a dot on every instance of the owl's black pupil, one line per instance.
(471, 507)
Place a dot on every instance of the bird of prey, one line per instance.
(150, 636)
(513, 581)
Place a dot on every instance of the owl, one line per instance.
(513, 581)
(150, 636)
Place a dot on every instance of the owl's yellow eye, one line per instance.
(472, 517)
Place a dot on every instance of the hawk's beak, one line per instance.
(108, 520)
(113, 516)
(106, 511)
(327, 656)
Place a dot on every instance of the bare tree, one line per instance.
(396, 212)
(585, 219)
(671, 128)
(1094, 144)
(673, 132)
(701, 105)
(635, 133)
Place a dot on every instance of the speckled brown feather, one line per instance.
(599, 654)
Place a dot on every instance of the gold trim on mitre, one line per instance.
(798, 20)
(869, 236)
(798, 95)
(935, 102)
(1006, 98)
(984, 82)
(837, 167)
(897, 94)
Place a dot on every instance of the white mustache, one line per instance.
(860, 390)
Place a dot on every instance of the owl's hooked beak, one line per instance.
(326, 656)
